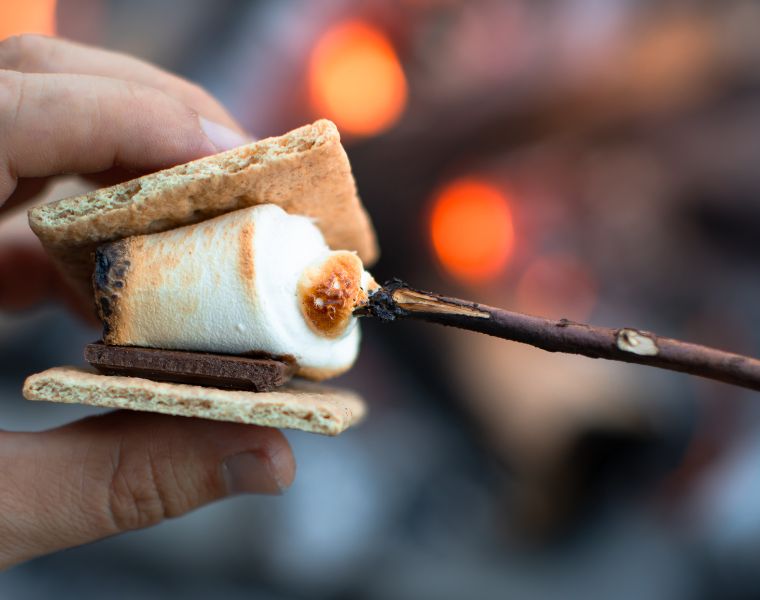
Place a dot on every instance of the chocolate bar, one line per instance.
(252, 373)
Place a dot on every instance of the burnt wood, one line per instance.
(258, 374)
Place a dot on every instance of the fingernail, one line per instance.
(222, 137)
(252, 473)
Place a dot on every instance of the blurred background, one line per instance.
(589, 159)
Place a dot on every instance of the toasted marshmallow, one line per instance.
(257, 280)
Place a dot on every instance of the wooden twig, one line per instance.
(396, 300)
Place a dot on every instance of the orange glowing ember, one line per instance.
(27, 16)
(356, 79)
(471, 229)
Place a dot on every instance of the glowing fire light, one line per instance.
(472, 230)
(27, 16)
(356, 79)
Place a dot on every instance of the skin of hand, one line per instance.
(68, 108)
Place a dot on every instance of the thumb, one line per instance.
(121, 471)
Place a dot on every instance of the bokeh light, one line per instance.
(472, 230)
(27, 16)
(356, 79)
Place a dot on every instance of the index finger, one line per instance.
(39, 54)
(54, 124)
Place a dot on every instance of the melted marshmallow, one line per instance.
(254, 280)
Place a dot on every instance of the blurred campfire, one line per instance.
(619, 141)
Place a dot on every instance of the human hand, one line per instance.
(67, 108)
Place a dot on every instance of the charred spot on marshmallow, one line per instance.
(111, 267)
(329, 292)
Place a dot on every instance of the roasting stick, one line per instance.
(396, 300)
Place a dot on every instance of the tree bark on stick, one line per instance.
(396, 300)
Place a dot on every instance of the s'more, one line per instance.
(213, 276)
